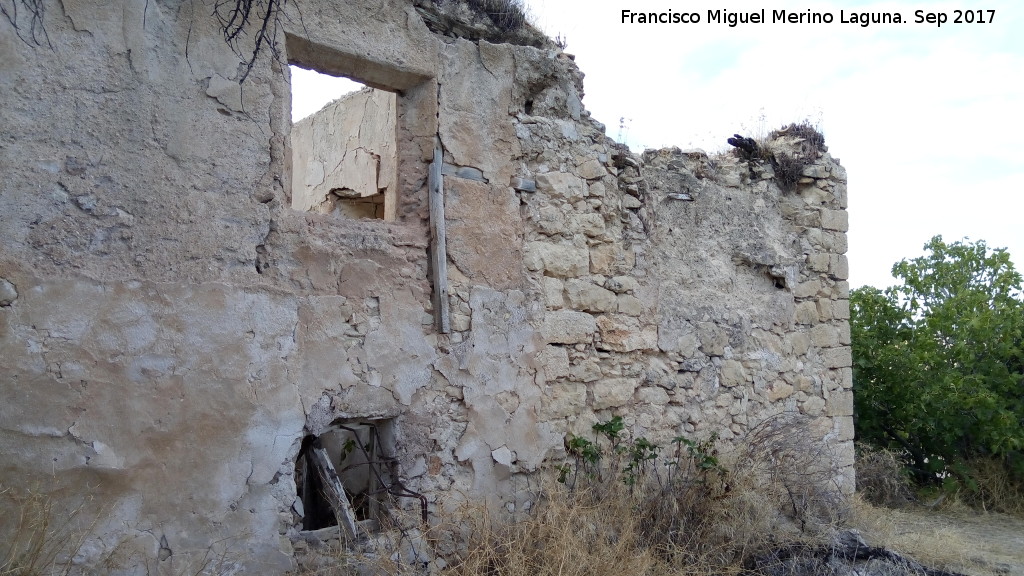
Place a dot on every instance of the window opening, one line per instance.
(343, 145)
(345, 475)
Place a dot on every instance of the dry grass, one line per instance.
(963, 541)
(994, 489)
(882, 479)
(937, 546)
(789, 150)
(508, 15)
(702, 520)
(39, 539)
(567, 534)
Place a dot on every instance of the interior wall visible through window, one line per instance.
(344, 156)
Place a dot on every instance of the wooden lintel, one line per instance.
(438, 249)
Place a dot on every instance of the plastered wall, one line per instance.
(171, 327)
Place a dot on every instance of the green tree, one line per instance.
(938, 360)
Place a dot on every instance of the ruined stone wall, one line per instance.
(171, 328)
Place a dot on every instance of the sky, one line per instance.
(926, 118)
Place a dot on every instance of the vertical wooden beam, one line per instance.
(372, 482)
(438, 249)
(333, 490)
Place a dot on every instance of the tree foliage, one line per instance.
(937, 361)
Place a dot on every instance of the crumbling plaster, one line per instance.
(171, 328)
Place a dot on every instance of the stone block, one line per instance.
(568, 327)
(824, 336)
(812, 406)
(561, 185)
(591, 169)
(630, 203)
(806, 313)
(799, 342)
(555, 362)
(843, 426)
(842, 197)
(815, 196)
(824, 307)
(733, 374)
(460, 322)
(630, 305)
(652, 395)
(779, 390)
(818, 171)
(590, 224)
(846, 381)
(809, 219)
(837, 357)
(558, 260)
(587, 371)
(552, 289)
(837, 220)
(611, 259)
(839, 266)
(551, 221)
(841, 309)
(713, 338)
(803, 383)
(818, 262)
(807, 289)
(624, 334)
(840, 403)
(584, 295)
(622, 284)
(836, 242)
(563, 400)
(841, 290)
(597, 189)
(613, 392)
(844, 330)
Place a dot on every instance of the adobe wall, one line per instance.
(171, 328)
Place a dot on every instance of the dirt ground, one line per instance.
(974, 543)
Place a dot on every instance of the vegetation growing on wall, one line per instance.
(938, 362)
(788, 168)
(631, 507)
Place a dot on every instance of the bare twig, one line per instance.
(237, 18)
(31, 17)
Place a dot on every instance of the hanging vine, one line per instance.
(26, 16)
(248, 26)
(238, 19)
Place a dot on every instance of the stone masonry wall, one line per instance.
(171, 329)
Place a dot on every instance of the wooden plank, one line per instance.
(333, 490)
(372, 483)
(438, 249)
